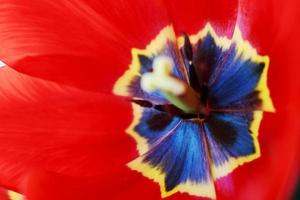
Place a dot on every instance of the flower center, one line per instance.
(200, 101)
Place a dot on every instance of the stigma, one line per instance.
(178, 92)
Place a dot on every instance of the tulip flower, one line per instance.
(63, 123)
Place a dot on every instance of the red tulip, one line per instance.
(62, 130)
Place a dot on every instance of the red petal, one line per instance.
(191, 16)
(4, 194)
(267, 23)
(48, 186)
(272, 27)
(58, 128)
(123, 184)
(81, 43)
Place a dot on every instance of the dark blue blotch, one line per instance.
(181, 156)
(251, 101)
(146, 64)
(229, 135)
(206, 54)
(155, 124)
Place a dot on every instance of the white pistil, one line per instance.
(175, 90)
(161, 79)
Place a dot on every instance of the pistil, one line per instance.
(178, 92)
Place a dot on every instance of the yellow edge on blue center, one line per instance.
(244, 51)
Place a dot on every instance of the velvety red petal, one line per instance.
(272, 27)
(86, 44)
(131, 186)
(4, 194)
(48, 186)
(59, 128)
(191, 16)
(268, 24)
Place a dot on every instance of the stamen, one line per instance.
(175, 90)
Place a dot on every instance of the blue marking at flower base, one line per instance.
(185, 153)
(181, 156)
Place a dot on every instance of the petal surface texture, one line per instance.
(67, 40)
(58, 128)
